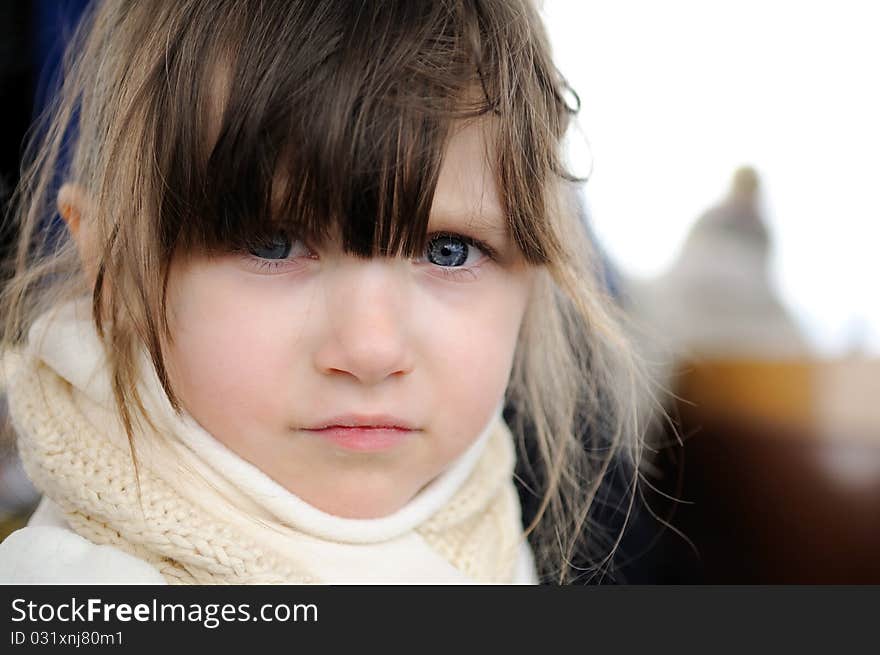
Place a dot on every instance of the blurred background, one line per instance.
(731, 150)
(731, 155)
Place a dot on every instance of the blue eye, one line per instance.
(447, 250)
(277, 247)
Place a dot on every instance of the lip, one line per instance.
(381, 421)
(363, 432)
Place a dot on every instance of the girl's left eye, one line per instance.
(454, 251)
(456, 257)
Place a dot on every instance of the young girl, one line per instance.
(312, 249)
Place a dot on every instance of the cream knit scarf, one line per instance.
(207, 516)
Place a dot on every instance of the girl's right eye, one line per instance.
(274, 248)
(277, 254)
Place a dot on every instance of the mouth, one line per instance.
(363, 421)
(363, 433)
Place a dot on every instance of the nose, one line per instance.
(366, 336)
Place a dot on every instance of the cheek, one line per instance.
(472, 350)
(231, 348)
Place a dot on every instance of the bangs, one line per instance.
(322, 133)
(321, 121)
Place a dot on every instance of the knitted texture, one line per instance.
(475, 518)
(92, 479)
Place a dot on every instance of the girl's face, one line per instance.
(271, 346)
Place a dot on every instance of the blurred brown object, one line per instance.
(781, 461)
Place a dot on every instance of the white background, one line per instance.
(675, 95)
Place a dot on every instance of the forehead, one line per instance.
(466, 188)
(376, 177)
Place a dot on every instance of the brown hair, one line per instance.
(205, 124)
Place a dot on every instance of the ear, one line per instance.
(73, 207)
(71, 200)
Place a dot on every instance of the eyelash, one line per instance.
(460, 273)
(455, 273)
(269, 266)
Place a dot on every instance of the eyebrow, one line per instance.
(491, 223)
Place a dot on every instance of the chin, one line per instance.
(362, 501)
(359, 508)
